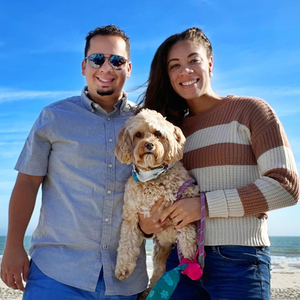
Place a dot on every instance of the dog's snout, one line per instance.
(149, 146)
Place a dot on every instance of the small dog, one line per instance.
(154, 146)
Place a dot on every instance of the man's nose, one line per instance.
(106, 65)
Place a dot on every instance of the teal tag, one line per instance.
(166, 285)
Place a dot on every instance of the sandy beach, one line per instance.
(285, 283)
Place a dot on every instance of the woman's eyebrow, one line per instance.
(176, 59)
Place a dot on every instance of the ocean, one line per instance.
(284, 249)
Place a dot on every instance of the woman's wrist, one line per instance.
(146, 235)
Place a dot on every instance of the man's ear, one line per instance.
(128, 69)
(83, 65)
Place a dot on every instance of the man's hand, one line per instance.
(15, 267)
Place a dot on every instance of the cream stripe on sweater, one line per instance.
(239, 155)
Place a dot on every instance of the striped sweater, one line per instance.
(239, 155)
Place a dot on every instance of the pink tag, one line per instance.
(193, 270)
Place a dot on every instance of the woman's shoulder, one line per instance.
(248, 101)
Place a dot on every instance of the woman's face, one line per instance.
(189, 69)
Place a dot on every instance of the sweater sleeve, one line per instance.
(278, 183)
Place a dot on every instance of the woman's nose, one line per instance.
(186, 70)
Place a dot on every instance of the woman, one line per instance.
(238, 152)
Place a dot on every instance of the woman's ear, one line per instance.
(123, 148)
(210, 66)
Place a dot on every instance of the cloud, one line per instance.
(6, 185)
(12, 96)
(59, 46)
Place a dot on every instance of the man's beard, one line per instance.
(105, 93)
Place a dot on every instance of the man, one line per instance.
(70, 151)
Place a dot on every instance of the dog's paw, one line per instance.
(123, 273)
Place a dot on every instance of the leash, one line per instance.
(166, 285)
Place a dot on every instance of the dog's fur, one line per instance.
(146, 127)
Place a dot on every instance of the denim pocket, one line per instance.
(238, 254)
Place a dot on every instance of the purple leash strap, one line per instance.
(200, 224)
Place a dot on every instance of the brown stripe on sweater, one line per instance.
(252, 200)
(219, 155)
(287, 179)
(252, 112)
(271, 138)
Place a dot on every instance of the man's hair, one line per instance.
(107, 30)
(160, 94)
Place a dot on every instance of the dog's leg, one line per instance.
(187, 238)
(160, 255)
(129, 248)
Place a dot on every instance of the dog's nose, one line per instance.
(149, 146)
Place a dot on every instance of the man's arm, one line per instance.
(15, 263)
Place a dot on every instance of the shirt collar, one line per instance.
(120, 106)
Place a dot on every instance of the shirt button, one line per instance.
(110, 165)
(104, 246)
(108, 119)
(107, 219)
(110, 140)
(109, 192)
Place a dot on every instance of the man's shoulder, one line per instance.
(64, 103)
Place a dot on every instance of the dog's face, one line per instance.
(148, 140)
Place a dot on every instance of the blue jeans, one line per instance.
(41, 287)
(230, 273)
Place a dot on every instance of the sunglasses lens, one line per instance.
(117, 61)
(96, 60)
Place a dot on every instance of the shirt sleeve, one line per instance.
(33, 159)
(278, 185)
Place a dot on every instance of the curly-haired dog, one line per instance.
(154, 146)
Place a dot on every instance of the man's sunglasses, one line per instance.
(96, 60)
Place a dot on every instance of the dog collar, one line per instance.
(143, 176)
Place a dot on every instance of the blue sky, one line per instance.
(256, 53)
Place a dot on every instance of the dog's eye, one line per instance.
(157, 133)
(138, 135)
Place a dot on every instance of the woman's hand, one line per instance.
(183, 212)
(153, 224)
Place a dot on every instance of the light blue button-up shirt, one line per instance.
(72, 145)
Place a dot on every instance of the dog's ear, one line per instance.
(176, 143)
(180, 138)
(123, 149)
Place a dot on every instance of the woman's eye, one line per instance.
(195, 61)
(174, 66)
(157, 133)
(138, 135)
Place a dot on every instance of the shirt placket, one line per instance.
(109, 193)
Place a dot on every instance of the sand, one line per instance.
(285, 283)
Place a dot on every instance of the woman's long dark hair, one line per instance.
(160, 94)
